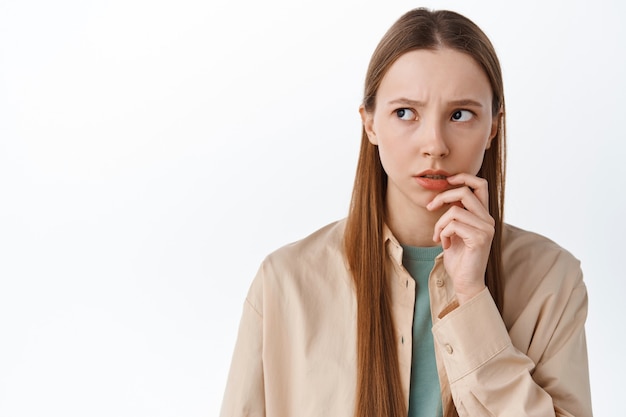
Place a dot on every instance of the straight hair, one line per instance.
(379, 390)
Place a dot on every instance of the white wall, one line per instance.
(153, 152)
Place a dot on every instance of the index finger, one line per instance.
(479, 186)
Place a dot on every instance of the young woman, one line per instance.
(422, 301)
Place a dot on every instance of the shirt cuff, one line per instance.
(470, 335)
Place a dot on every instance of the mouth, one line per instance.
(434, 174)
(434, 177)
(433, 180)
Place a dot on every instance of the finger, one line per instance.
(479, 186)
(455, 196)
(461, 197)
(456, 214)
(473, 238)
(446, 242)
(466, 217)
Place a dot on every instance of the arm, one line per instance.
(545, 371)
(245, 392)
(489, 376)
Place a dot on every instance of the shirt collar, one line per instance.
(394, 248)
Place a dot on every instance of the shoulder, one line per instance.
(531, 261)
(519, 245)
(516, 239)
(314, 264)
(325, 243)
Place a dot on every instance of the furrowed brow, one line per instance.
(406, 102)
(415, 103)
(466, 102)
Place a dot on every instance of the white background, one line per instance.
(153, 152)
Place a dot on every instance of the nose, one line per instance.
(432, 141)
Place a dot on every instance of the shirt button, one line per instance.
(439, 282)
(449, 349)
(402, 339)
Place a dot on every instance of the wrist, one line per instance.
(466, 294)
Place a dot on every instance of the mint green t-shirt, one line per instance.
(424, 392)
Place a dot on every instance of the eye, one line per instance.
(462, 115)
(405, 114)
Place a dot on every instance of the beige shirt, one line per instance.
(296, 350)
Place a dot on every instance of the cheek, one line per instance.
(477, 164)
(393, 155)
(467, 150)
(475, 157)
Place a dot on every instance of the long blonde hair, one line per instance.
(379, 391)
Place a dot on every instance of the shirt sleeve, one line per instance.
(490, 377)
(245, 393)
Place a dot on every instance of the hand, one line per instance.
(465, 231)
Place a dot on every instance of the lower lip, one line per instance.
(432, 184)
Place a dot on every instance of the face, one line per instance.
(432, 119)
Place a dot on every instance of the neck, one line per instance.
(415, 228)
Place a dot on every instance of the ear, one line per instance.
(368, 124)
(495, 125)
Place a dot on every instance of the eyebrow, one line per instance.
(416, 103)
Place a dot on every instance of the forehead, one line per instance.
(443, 74)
